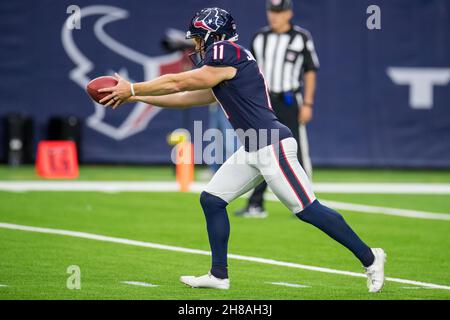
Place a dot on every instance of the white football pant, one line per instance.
(277, 164)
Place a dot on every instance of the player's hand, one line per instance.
(306, 113)
(119, 94)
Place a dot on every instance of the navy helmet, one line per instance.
(212, 25)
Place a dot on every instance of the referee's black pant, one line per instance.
(288, 115)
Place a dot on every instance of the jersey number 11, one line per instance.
(218, 52)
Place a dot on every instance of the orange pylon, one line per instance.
(185, 165)
(184, 157)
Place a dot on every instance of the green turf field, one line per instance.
(166, 173)
(33, 265)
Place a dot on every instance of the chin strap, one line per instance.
(207, 37)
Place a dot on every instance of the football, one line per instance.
(98, 83)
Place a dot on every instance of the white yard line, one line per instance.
(128, 186)
(378, 210)
(386, 210)
(3, 285)
(102, 186)
(91, 236)
(383, 188)
(140, 284)
(286, 284)
(133, 186)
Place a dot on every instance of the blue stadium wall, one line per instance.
(365, 115)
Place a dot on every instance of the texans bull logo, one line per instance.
(211, 22)
(141, 114)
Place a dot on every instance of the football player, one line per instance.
(227, 73)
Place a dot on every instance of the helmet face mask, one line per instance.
(209, 26)
(198, 54)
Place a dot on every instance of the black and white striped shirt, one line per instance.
(284, 57)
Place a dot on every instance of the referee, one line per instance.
(285, 54)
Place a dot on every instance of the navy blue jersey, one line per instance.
(245, 98)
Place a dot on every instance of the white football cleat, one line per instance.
(252, 212)
(375, 272)
(255, 212)
(206, 281)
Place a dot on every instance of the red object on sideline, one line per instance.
(57, 160)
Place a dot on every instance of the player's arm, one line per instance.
(178, 100)
(203, 78)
